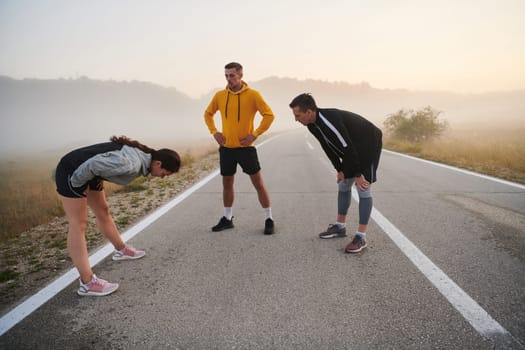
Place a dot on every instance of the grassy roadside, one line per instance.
(496, 153)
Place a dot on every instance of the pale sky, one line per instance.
(455, 45)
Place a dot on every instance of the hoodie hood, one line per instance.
(243, 88)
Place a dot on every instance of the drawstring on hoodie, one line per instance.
(227, 99)
(238, 106)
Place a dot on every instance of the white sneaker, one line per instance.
(128, 253)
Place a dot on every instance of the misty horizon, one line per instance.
(363, 84)
(51, 115)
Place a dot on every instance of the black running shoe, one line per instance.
(223, 224)
(268, 227)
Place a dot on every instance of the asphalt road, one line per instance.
(239, 289)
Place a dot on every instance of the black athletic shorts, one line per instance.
(63, 181)
(246, 157)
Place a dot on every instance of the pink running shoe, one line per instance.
(97, 287)
(128, 253)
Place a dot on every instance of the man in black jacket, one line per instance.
(353, 145)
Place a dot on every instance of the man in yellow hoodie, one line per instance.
(238, 105)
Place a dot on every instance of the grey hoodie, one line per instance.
(120, 167)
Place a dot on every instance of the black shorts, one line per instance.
(246, 157)
(63, 181)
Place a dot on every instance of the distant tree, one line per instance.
(415, 126)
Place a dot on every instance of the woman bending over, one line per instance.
(80, 177)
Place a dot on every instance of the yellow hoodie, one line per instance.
(238, 112)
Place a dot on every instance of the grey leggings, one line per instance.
(344, 197)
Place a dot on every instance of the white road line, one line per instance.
(480, 320)
(24, 309)
(461, 301)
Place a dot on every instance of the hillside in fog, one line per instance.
(39, 115)
(473, 110)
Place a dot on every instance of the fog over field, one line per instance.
(74, 73)
(46, 116)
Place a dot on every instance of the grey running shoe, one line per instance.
(333, 231)
(223, 224)
(357, 244)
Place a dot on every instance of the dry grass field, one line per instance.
(27, 196)
(498, 153)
